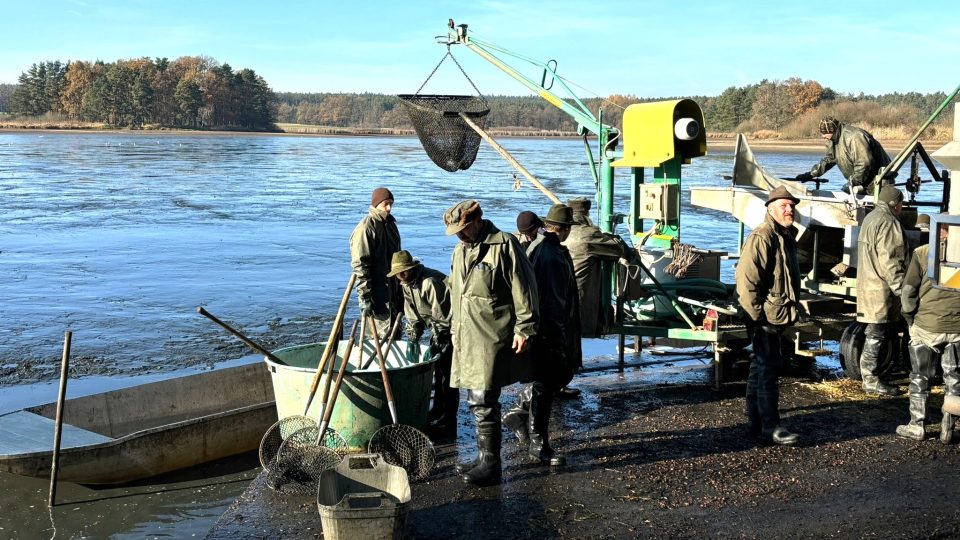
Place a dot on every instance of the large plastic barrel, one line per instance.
(361, 409)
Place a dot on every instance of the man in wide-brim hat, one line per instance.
(426, 305)
(555, 350)
(768, 288)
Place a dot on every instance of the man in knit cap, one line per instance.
(858, 155)
(881, 264)
(372, 244)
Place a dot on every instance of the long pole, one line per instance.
(55, 460)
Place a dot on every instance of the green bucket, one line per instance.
(361, 408)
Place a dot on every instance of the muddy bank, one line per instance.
(674, 461)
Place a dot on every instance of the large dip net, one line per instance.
(448, 140)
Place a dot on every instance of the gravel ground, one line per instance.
(675, 461)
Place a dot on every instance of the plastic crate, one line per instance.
(364, 497)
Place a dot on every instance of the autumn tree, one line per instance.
(772, 106)
(805, 94)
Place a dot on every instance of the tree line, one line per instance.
(189, 92)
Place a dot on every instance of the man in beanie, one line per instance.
(555, 350)
(528, 227)
(934, 317)
(426, 304)
(881, 264)
(494, 313)
(768, 288)
(589, 247)
(372, 243)
(859, 156)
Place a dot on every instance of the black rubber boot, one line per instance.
(918, 412)
(921, 370)
(949, 360)
(540, 401)
(485, 406)
(872, 345)
(517, 417)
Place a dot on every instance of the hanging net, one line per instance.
(449, 141)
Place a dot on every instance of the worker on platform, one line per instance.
(859, 156)
(555, 350)
(426, 305)
(528, 228)
(881, 264)
(372, 244)
(494, 313)
(768, 287)
(934, 317)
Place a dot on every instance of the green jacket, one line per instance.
(881, 263)
(555, 349)
(372, 244)
(588, 247)
(768, 276)
(493, 296)
(935, 310)
(858, 155)
(426, 301)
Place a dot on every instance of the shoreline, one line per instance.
(725, 142)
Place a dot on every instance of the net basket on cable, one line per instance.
(449, 141)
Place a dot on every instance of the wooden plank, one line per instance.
(23, 432)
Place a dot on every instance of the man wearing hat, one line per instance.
(859, 156)
(528, 227)
(589, 247)
(494, 313)
(555, 350)
(373, 242)
(768, 287)
(881, 264)
(934, 317)
(426, 304)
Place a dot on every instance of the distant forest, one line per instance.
(199, 93)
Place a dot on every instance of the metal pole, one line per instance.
(55, 460)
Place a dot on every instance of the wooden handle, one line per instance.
(247, 341)
(383, 371)
(328, 412)
(55, 459)
(334, 330)
(392, 336)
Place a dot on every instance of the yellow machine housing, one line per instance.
(649, 139)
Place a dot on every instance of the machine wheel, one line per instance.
(851, 345)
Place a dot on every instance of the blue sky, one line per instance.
(649, 49)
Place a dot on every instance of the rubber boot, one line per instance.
(487, 471)
(872, 345)
(946, 428)
(517, 417)
(914, 429)
(951, 387)
(921, 370)
(754, 426)
(539, 449)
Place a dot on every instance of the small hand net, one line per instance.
(300, 460)
(278, 432)
(406, 447)
(447, 139)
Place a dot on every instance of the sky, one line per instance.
(641, 48)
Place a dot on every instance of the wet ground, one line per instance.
(673, 460)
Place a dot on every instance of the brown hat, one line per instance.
(379, 195)
(579, 205)
(460, 215)
(890, 195)
(560, 214)
(527, 221)
(781, 193)
(401, 262)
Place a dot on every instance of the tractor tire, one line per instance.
(851, 345)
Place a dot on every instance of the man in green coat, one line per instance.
(859, 156)
(881, 263)
(555, 350)
(934, 317)
(426, 305)
(768, 289)
(494, 313)
(372, 244)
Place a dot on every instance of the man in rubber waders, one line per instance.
(934, 317)
(858, 155)
(768, 287)
(528, 228)
(555, 350)
(881, 264)
(493, 296)
(372, 244)
(426, 305)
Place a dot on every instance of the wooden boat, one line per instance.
(146, 430)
